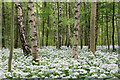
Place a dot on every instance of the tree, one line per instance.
(96, 27)
(38, 24)
(44, 5)
(55, 31)
(59, 23)
(75, 34)
(81, 33)
(107, 29)
(3, 25)
(0, 27)
(86, 25)
(113, 26)
(23, 38)
(33, 30)
(12, 39)
(16, 35)
(69, 31)
(118, 27)
(92, 27)
(47, 32)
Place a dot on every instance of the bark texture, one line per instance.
(55, 27)
(69, 31)
(12, 40)
(75, 34)
(59, 24)
(96, 27)
(3, 24)
(33, 31)
(23, 38)
(113, 27)
(92, 27)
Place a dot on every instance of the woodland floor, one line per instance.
(60, 64)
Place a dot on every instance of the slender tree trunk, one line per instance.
(33, 30)
(86, 25)
(113, 26)
(59, 24)
(62, 29)
(81, 36)
(43, 33)
(16, 37)
(69, 31)
(99, 36)
(47, 32)
(110, 35)
(107, 29)
(81, 33)
(102, 32)
(96, 27)
(38, 25)
(0, 27)
(76, 26)
(118, 29)
(92, 27)
(55, 27)
(12, 40)
(16, 33)
(23, 38)
(88, 28)
(3, 25)
(43, 25)
(66, 41)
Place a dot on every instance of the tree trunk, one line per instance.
(33, 30)
(86, 25)
(92, 27)
(55, 27)
(23, 38)
(47, 32)
(88, 28)
(75, 34)
(102, 32)
(62, 29)
(69, 31)
(12, 40)
(16, 33)
(16, 37)
(113, 26)
(96, 27)
(118, 29)
(0, 27)
(3, 25)
(59, 24)
(38, 24)
(107, 29)
(43, 25)
(66, 41)
(81, 34)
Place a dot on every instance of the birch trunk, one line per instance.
(75, 34)
(23, 38)
(55, 27)
(33, 31)
(59, 23)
